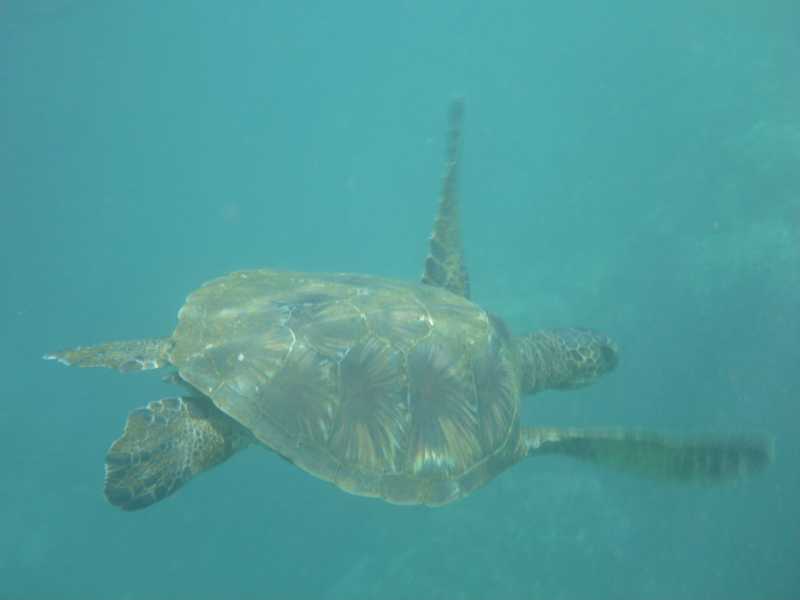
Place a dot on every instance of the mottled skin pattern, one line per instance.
(396, 390)
(403, 391)
(164, 445)
(388, 389)
(563, 359)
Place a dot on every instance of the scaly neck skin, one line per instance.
(563, 358)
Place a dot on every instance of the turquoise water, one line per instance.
(631, 168)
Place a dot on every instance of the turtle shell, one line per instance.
(400, 391)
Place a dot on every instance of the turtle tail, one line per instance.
(702, 458)
(164, 445)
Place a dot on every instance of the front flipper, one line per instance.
(166, 444)
(692, 459)
(125, 356)
(444, 265)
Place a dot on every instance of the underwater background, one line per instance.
(630, 166)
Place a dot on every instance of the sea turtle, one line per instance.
(404, 391)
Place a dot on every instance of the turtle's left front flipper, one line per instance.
(444, 265)
(656, 456)
(125, 356)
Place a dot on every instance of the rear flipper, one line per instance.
(126, 356)
(166, 444)
(699, 459)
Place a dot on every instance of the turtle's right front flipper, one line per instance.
(693, 459)
(125, 356)
(166, 444)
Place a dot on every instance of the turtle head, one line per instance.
(564, 358)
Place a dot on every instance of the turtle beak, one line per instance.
(592, 354)
(608, 355)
